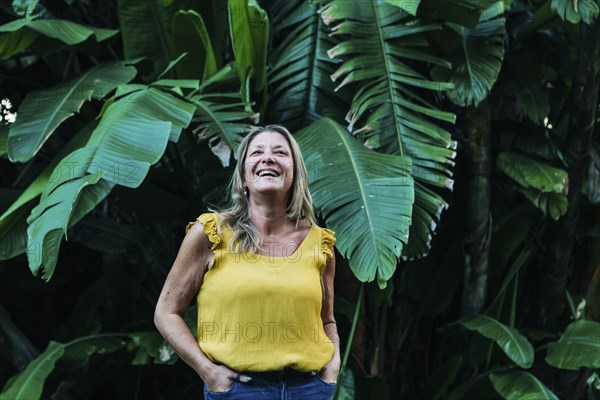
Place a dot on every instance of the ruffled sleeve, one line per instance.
(209, 223)
(327, 242)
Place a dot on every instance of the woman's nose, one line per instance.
(267, 158)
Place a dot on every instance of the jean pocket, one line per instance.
(325, 382)
(225, 393)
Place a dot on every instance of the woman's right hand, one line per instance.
(220, 378)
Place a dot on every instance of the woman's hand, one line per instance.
(331, 370)
(220, 378)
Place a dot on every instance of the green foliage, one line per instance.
(394, 118)
(575, 11)
(131, 136)
(128, 132)
(348, 180)
(190, 36)
(512, 343)
(143, 30)
(249, 31)
(533, 174)
(299, 80)
(519, 385)
(578, 346)
(476, 57)
(41, 112)
(74, 354)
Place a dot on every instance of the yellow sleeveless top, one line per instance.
(260, 312)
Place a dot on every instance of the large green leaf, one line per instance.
(299, 83)
(512, 343)
(43, 111)
(29, 384)
(578, 346)
(520, 385)
(530, 173)
(190, 36)
(144, 31)
(476, 61)
(365, 197)
(12, 43)
(66, 31)
(553, 204)
(576, 10)
(249, 31)
(13, 222)
(132, 135)
(382, 41)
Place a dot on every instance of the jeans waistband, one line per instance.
(287, 373)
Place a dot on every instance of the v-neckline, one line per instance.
(293, 255)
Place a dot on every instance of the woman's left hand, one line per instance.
(331, 370)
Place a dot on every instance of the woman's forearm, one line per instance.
(331, 332)
(175, 331)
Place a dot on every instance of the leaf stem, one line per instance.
(350, 340)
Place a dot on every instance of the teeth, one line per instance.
(264, 173)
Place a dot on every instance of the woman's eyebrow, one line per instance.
(260, 146)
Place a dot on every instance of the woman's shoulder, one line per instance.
(209, 224)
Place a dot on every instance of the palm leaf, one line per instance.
(512, 343)
(132, 135)
(476, 61)
(144, 31)
(12, 43)
(575, 11)
(13, 222)
(553, 204)
(249, 32)
(520, 385)
(383, 41)
(43, 111)
(190, 36)
(530, 173)
(364, 196)
(66, 31)
(578, 346)
(29, 384)
(301, 91)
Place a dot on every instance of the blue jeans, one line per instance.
(277, 385)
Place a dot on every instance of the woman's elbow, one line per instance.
(159, 316)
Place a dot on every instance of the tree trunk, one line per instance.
(14, 345)
(550, 297)
(478, 218)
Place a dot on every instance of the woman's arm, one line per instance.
(331, 370)
(181, 286)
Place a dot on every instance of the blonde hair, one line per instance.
(299, 208)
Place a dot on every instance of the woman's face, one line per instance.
(269, 165)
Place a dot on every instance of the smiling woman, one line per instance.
(262, 274)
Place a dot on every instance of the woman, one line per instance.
(262, 272)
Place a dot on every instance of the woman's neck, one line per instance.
(269, 217)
